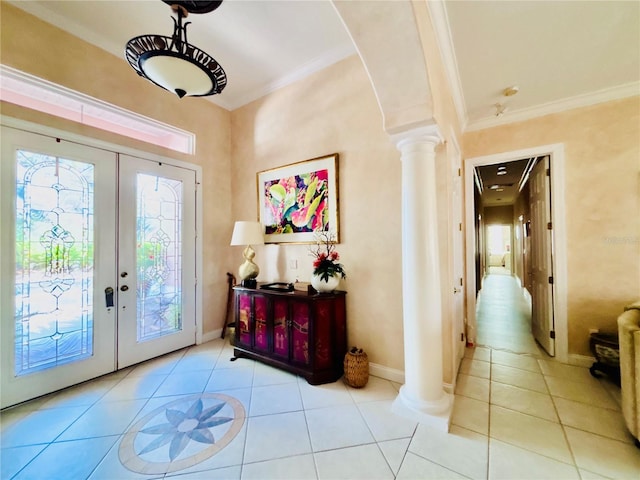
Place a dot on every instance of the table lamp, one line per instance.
(248, 233)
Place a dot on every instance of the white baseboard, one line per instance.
(527, 297)
(580, 360)
(397, 376)
(207, 337)
(387, 373)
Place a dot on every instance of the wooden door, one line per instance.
(542, 323)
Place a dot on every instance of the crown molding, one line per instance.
(42, 12)
(600, 96)
(440, 19)
(308, 68)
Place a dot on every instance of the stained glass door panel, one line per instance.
(60, 198)
(156, 261)
(159, 205)
(54, 261)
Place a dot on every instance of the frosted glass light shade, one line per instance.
(177, 74)
(247, 233)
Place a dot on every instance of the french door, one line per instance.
(97, 262)
(156, 259)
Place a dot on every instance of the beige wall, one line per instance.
(602, 202)
(35, 47)
(334, 110)
(498, 215)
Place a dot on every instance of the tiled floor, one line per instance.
(194, 414)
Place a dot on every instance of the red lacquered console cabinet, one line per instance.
(302, 333)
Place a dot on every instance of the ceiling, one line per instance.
(501, 183)
(262, 45)
(559, 54)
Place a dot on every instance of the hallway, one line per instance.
(504, 316)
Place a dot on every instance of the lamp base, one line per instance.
(249, 283)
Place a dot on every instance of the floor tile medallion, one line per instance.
(181, 433)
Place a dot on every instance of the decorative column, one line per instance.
(422, 397)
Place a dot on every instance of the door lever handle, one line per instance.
(108, 296)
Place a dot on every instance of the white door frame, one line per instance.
(458, 344)
(112, 147)
(559, 247)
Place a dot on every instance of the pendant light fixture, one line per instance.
(174, 64)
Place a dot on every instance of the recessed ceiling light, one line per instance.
(502, 167)
(502, 172)
(499, 189)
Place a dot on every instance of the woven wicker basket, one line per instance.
(356, 368)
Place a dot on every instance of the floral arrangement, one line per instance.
(326, 257)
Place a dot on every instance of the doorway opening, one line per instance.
(502, 255)
(498, 251)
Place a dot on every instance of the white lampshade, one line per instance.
(247, 233)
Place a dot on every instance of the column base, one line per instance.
(433, 414)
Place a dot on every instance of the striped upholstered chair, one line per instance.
(629, 338)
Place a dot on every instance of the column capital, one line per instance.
(429, 136)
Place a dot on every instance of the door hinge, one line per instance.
(551, 280)
(460, 226)
(459, 172)
(548, 172)
(549, 226)
(552, 334)
(460, 281)
(461, 337)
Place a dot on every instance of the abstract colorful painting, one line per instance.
(299, 199)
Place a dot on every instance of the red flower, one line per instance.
(326, 262)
